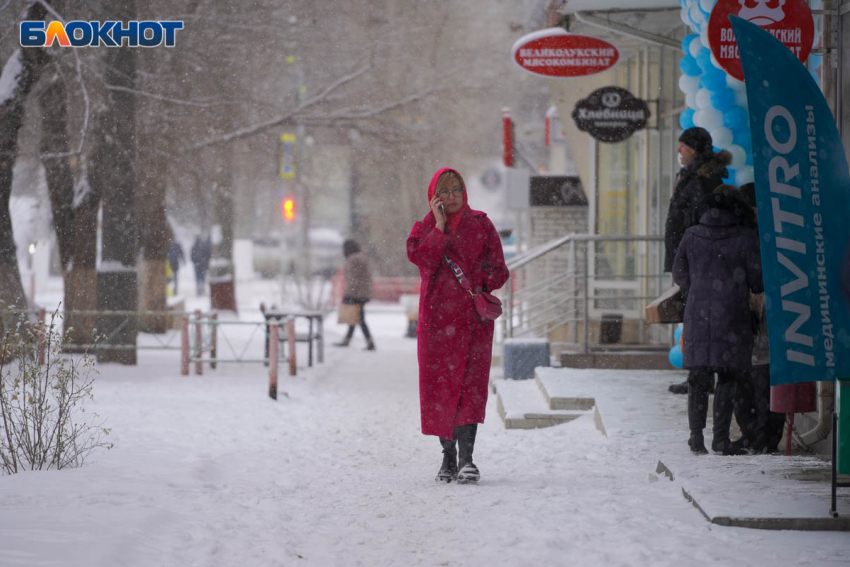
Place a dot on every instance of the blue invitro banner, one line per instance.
(803, 195)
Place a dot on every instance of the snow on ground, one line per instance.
(208, 471)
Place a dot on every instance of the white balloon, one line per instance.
(704, 99)
(712, 119)
(696, 14)
(715, 62)
(706, 5)
(691, 101)
(689, 85)
(694, 46)
(683, 13)
(744, 175)
(739, 156)
(703, 37)
(721, 137)
(734, 83)
(741, 98)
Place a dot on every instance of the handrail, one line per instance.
(524, 258)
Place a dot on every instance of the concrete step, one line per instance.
(619, 360)
(521, 406)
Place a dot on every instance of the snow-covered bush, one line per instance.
(43, 421)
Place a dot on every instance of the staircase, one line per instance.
(528, 404)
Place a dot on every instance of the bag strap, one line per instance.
(461, 277)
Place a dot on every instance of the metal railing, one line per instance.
(154, 340)
(570, 284)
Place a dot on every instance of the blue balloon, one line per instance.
(689, 66)
(686, 42)
(744, 139)
(729, 179)
(677, 334)
(723, 99)
(736, 118)
(714, 79)
(704, 59)
(675, 357)
(749, 160)
(686, 119)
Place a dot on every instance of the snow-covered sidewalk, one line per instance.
(208, 471)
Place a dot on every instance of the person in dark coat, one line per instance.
(702, 171)
(175, 258)
(454, 343)
(719, 264)
(201, 254)
(358, 288)
(752, 406)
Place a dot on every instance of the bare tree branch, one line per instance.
(242, 132)
(174, 100)
(347, 113)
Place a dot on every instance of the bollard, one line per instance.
(199, 339)
(213, 340)
(273, 342)
(184, 346)
(290, 336)
(41, 336)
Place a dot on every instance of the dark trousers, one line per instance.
(767, 425)
(733, 391)
(363, 326)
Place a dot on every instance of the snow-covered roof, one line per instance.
(571, 6)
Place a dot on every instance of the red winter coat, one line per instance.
(454, 344)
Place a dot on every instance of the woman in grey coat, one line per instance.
(719, 265)
(358, 288)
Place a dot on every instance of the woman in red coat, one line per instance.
(454, 343)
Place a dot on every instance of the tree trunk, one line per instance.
(222, 280)
(155, 238)
(60, 181)
(81, 283)
(21, 71)
(117, 284)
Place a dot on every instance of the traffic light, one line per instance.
(287, 209)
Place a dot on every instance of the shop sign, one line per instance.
(790, 22)
(555, 53)
(611, 114)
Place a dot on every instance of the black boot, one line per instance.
(697, 409)
(370, 344)
(465, 435)
(680, 388)
(724, 402)
(448, 470)
(345, 341)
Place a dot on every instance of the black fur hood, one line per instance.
(713, 163)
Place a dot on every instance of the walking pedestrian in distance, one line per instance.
(358, 289)
(175, 258)
(201, 254)
(454, 342)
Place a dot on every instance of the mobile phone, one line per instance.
(442, 209)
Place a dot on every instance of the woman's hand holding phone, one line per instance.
(439, 213)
